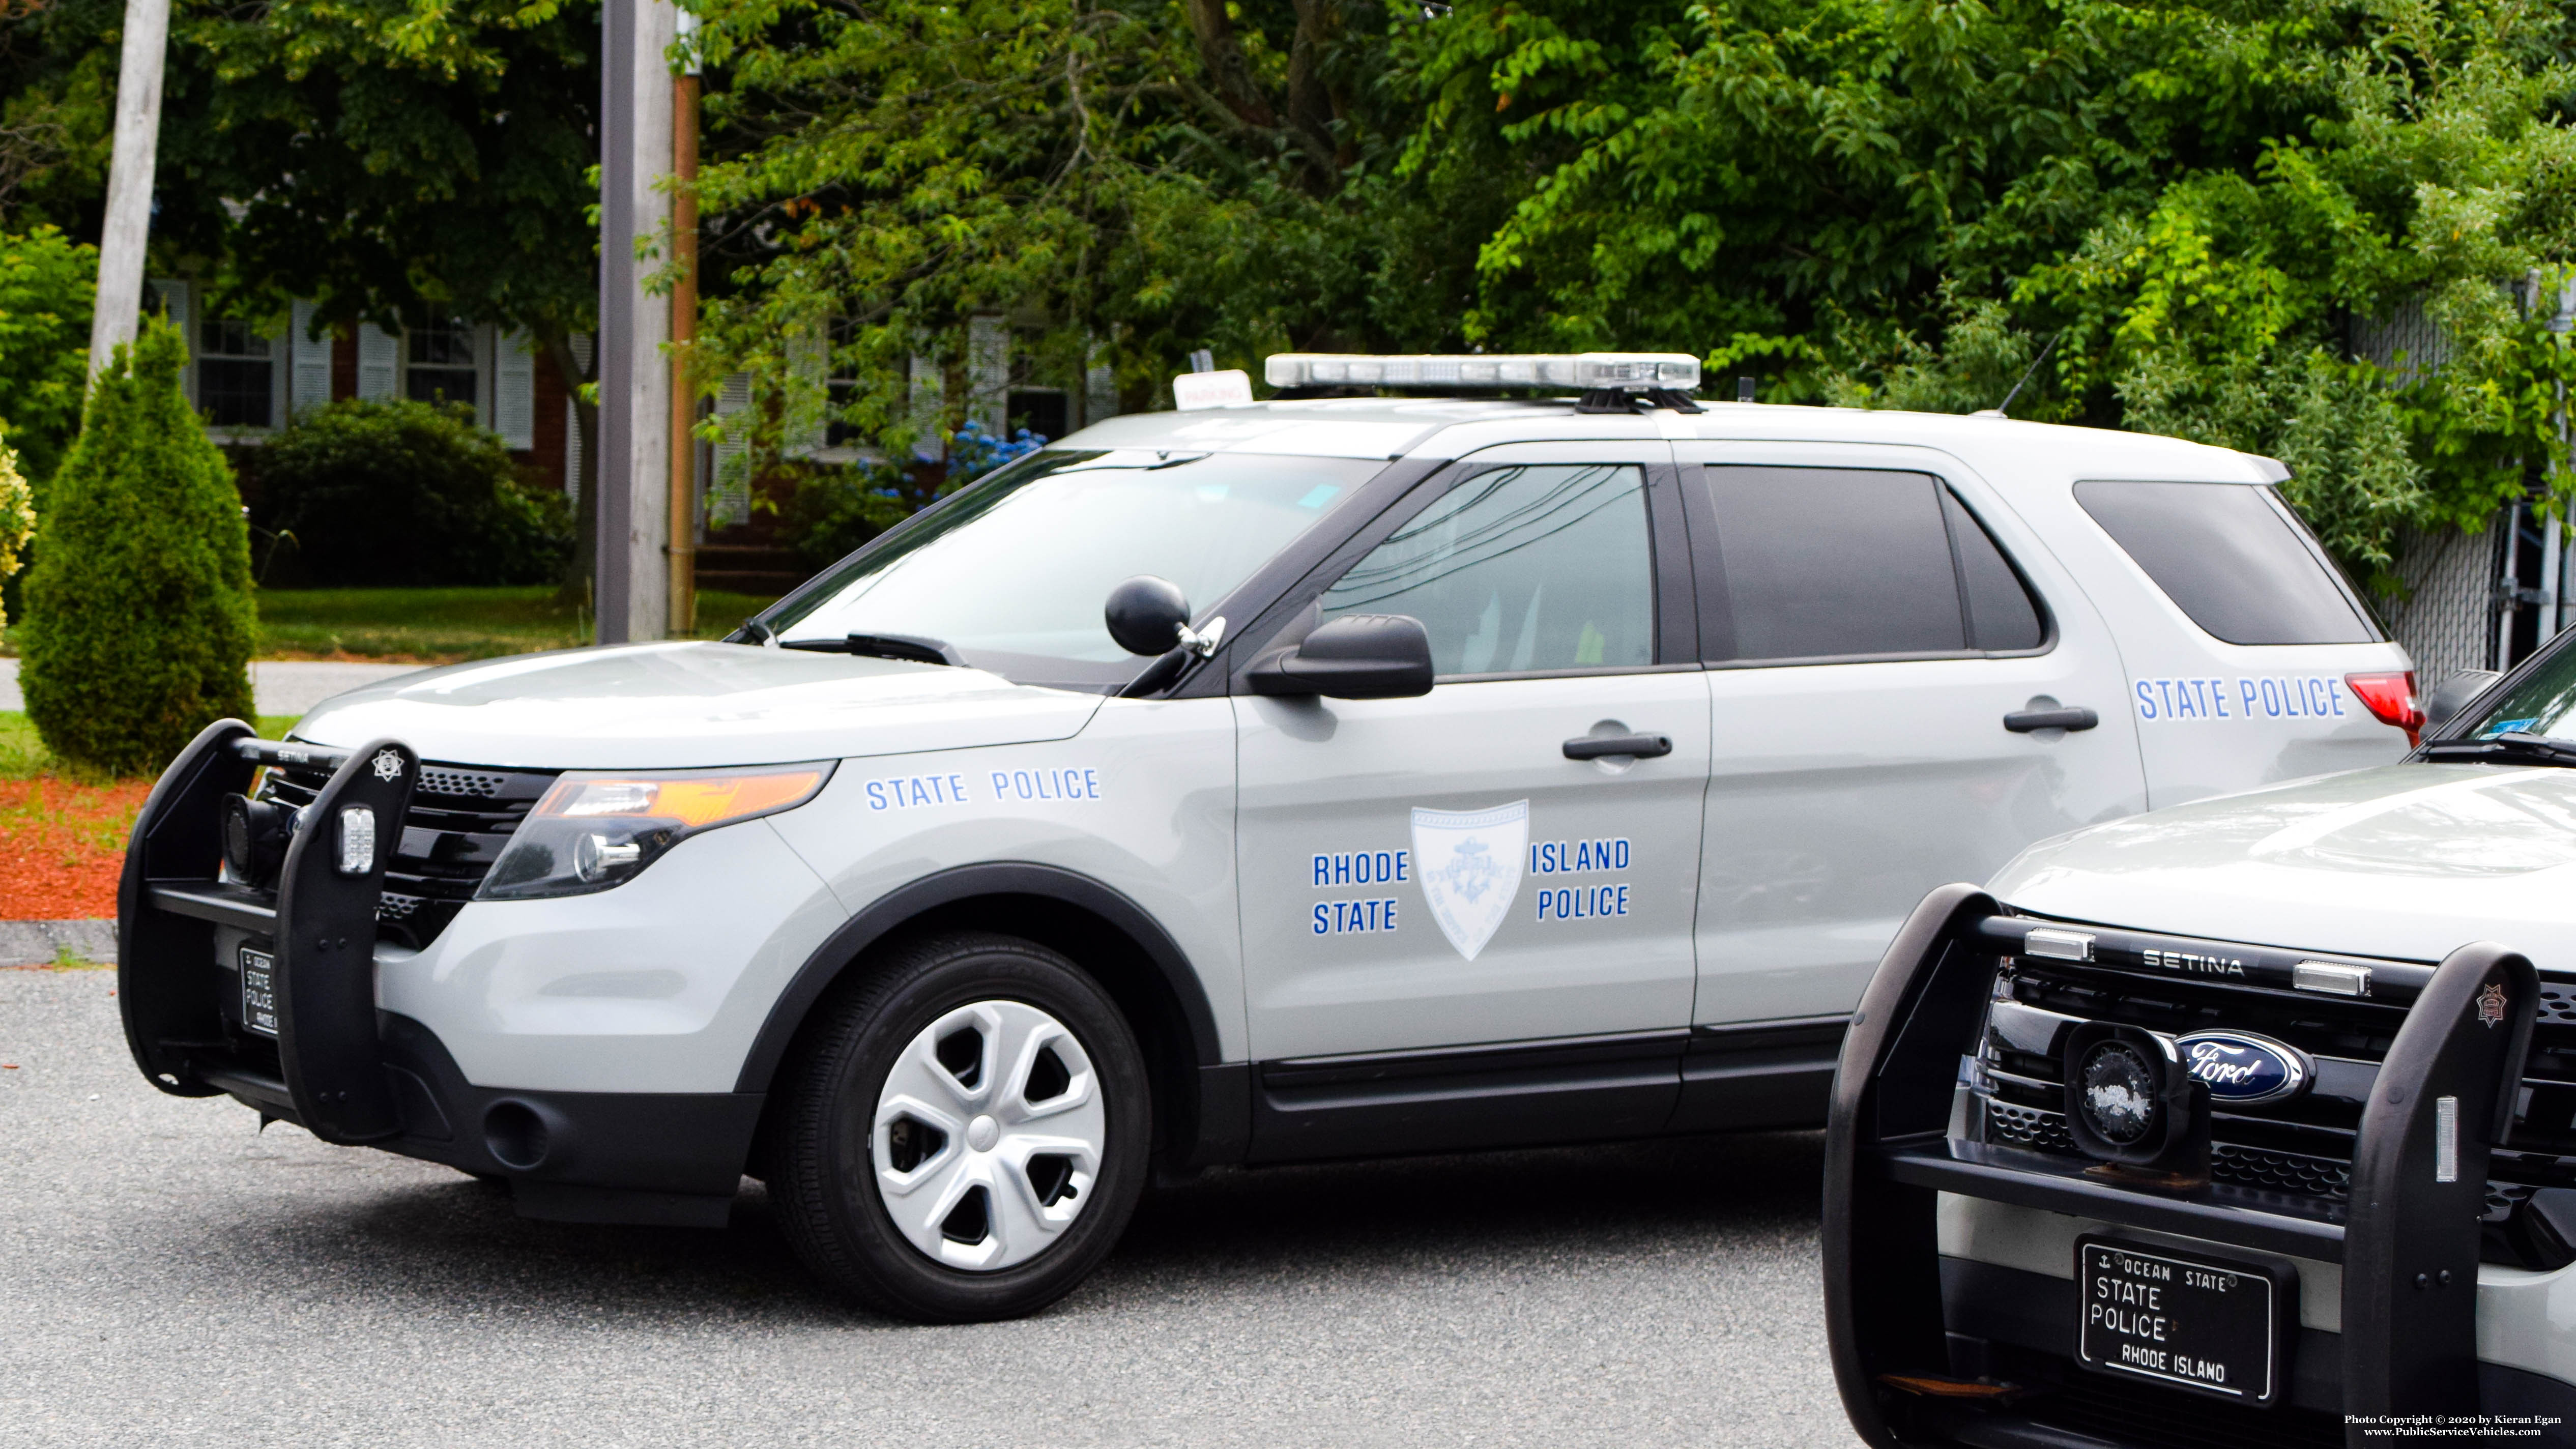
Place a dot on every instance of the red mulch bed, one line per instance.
(61, 846)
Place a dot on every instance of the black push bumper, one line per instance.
(322, 1054)
(1920, 1343)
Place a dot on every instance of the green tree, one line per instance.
(1890, 202)
(375, 158)
(1122, 182)
(139, 612)
(45, 284)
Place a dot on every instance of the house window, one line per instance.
(233, 375)
(1041, 410)
(438, 361)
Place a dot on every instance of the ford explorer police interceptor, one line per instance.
(2249, 1121)
(1330, 776)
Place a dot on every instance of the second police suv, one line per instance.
(1330, 776)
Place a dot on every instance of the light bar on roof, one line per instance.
(1586, 371)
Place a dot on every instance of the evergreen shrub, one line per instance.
(139, 612)
(401, 493)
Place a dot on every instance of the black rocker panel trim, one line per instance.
(1452, 1099)
(1762, 1074)
(1204, 1133)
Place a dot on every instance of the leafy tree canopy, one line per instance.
(2210, 208)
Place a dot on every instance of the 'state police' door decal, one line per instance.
(1470, 864)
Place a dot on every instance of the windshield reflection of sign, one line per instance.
(1470, 866)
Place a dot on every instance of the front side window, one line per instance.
(1014, 571)
(233, 374)
(2233, 557)
(1541, 567)
(1818, 564)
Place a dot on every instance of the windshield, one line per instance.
(1012, 573)
(2541, 703)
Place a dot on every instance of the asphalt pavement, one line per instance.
(170, 1276)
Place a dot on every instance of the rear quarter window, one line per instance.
(2232, 557)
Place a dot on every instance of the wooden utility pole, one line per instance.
(129, 180)
(635, 524)
(684, 329)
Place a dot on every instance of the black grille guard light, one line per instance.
(2408, 1244)
(171, 901)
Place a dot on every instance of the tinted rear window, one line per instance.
(2232, 557)
(1833, 563)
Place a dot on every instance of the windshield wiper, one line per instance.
(918, 648)
(2512, 744)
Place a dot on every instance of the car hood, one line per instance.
(2405, 861)
(648, 706)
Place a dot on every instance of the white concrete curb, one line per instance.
(38, 943)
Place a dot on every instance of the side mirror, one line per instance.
(1147, 615)
(1358, 656)
(2454, 694)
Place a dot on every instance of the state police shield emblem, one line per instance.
(1469, 863)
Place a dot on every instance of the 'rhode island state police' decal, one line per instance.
(2242, 1069)
(1469, 864)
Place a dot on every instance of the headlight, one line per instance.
(597, 829)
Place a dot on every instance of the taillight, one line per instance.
(2390, 697)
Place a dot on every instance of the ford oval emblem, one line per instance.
(2242, 1069)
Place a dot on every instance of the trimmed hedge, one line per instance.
(139, 613)
(401, 493)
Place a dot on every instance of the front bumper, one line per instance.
(1921, 1342)
(339, 1066)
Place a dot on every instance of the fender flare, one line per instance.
(999, 878)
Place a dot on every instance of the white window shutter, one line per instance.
(580, 342)
(809, 364)
(514, 392)
(929, 404)
(309, 382)
(281, 374)
(729, 497)
(172, 297)
(1099, 387)
(379, 363)
(988, 373)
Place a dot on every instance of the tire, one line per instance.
(954, 1067)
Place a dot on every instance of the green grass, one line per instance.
(445, 625)
(24, 757)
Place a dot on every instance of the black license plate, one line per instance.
(2204, 1324)
(259, 991)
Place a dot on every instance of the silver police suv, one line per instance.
(1261, 782)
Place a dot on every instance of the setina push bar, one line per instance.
(179, 913)
(2442, 1100)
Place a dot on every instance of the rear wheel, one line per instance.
(964, 1135)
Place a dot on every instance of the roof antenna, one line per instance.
(1998, 410)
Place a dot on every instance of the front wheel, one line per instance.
(965, 1131)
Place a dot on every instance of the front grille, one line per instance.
(460, 818)
(2301, 1148)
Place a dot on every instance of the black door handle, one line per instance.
(2070, 717)
(1593, 747)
